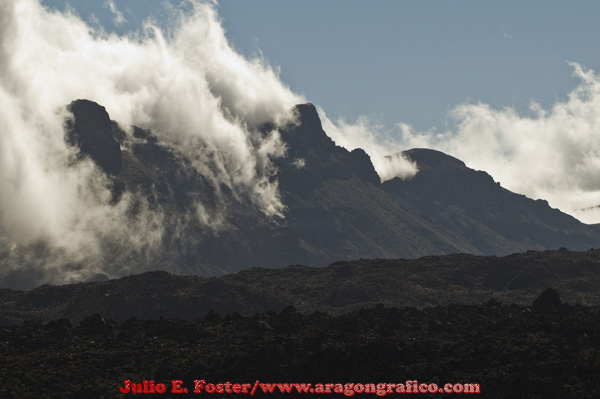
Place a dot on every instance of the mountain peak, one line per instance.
(306, 113)
(427, 159)
(335, 206)
(93, 132)
(307, 134)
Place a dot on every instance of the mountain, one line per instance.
(336, 208)
(474, 209)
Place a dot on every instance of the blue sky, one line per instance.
(400, 61)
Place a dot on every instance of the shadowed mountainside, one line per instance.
(335, 207)
(473, 208)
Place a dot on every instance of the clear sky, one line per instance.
(404, 61)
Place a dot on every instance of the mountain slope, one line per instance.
(336, 201)
(472, 207)
(335, 206)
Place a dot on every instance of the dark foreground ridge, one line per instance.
(511, 351)
(337, 289)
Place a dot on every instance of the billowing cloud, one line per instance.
(552, 153)
(186, 84)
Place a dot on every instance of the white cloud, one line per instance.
(187, 85)
(299, 163)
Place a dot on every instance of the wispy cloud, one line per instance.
(118, 19)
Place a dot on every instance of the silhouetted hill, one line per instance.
(338, 288)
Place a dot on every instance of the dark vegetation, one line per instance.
(367, 321)
(546, 350)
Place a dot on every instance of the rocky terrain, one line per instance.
(339, 288)
(545, 350)
(357, 281)
(464, 319)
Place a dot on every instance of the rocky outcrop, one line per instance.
(306, 135)
(92, 131)
(548, 302)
